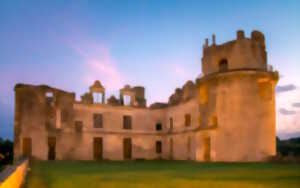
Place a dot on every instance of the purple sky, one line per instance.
(157, 44)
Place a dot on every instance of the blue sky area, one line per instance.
(157, 44)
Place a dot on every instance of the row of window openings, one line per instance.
(127, 148)
(98, 122)
(97, 98)
(127, 145)
(98, 147)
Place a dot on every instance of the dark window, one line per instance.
(158, 147)
(223, 65)
(158, 126)
(126, 122)
(187, 120)
(78, 126)
(171, 123)
(65, 115)
(98, 121)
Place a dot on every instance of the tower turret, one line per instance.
(237, 92)
(242, 53)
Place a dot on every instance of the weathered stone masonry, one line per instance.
(228, 114)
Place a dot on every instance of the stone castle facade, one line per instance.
(227, 114)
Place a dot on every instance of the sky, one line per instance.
(156, 44)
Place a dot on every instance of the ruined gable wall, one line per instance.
(36, 116)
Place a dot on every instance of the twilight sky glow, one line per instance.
(158, 44)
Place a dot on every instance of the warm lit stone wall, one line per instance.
(234, 110)
(231, 109)
(243, 104)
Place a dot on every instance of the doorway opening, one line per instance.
(171, 149)
(206, 149)
(27, 147)
(51, 148)
(98, 148)
(127, 148)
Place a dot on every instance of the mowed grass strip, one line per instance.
(91, 174)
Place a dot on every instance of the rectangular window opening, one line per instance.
(127, 100)
(98, 121)
(158, 126)
(126, 122)
(187, 120)
(171, 124)
(97, 98)
(78, 126)
(158, 147)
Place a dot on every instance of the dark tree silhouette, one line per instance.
(6, 152)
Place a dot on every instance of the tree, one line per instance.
(6, 152)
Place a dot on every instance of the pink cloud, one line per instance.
(99, 65)
(179, 71)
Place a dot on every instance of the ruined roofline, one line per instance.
(156, 105)
(42, 87)
(240, 35)
(181, 94)
(161, 105)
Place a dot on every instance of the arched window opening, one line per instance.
(223, 65)
(97, 98)
(127, 100)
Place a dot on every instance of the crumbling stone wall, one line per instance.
(231, 111)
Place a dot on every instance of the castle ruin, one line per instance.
(227, 114)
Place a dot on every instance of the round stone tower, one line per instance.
(237, 99)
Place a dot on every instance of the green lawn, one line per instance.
(158, 174)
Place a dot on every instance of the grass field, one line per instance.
(173, 174)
